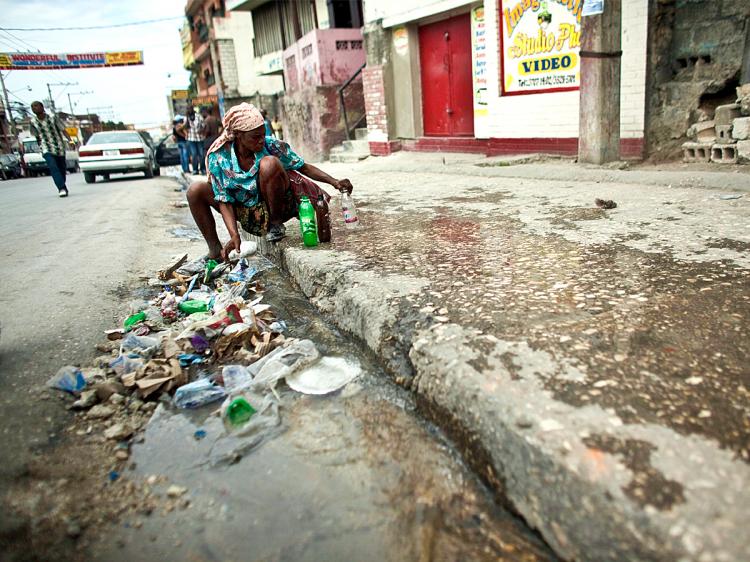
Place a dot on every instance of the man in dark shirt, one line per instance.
(211, 127)
(180, 137)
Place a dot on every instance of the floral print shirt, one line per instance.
(231, 184)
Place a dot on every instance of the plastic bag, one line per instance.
(236, 377)
(68, 378)
(144, 346)
(282, 362)
(197, 394)
(124, 364)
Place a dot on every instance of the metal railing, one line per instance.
(343, 103)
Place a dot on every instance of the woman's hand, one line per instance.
(233, 244)
(343, 185)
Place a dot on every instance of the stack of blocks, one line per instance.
(726, 139)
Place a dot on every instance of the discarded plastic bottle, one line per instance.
(324, 219)
(193, 306)
(349, 211)
(131, 321)
(239, 411)
(307, 222)
(210, 266)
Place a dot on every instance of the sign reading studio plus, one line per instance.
(540, 40)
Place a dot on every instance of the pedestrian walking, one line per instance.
(194, 128)
(266, 123)
(278, 130)
(180, 137)
(211, 128)
(53, 139)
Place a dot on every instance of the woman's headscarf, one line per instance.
(242, 117)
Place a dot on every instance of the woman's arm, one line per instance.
(230, 221)
(319, 175)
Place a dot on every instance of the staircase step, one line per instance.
(347, 157)
(338, 149)
(360, 133)
(357, 146)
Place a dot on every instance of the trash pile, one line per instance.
(206, 339)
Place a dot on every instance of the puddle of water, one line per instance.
(187, 232)
(350, 476)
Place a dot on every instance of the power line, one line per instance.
(19, 39)
(85, 28)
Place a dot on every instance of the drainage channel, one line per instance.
(356, 475)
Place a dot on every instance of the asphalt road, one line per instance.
(64, 261)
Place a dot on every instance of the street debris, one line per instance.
(605, 203)
(206, 339)
(68, 378)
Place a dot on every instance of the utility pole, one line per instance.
(601, 58)
(13, 128)
(49, 91)
(70, 103)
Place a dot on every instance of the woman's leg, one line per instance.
(274, 182)
(200, 197)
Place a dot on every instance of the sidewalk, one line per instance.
(593, 364)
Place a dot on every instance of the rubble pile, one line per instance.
(726, 138)
(206, 337)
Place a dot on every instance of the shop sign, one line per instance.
(540, 41)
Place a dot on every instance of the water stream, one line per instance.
(356, 475)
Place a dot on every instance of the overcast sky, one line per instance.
(137, 94)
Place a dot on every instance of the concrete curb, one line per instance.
(535, 450)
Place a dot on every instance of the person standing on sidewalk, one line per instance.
(180, 137)
(194, 127)
(211, 128)
(53, 139)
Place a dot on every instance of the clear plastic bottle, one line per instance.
(349, 210)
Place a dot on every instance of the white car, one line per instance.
(117, 152)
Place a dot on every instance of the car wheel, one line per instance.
(105, 177)
(149, 171)
(89, 177)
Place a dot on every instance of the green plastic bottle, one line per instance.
(131, 321)
(239, 411)
(307, 222)
(192, 306)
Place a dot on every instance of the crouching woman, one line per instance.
(254, 179)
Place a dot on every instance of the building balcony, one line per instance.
(201, 52)
(323, 57)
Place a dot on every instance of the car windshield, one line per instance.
(31, 146)
(106, 138)
(6, 158)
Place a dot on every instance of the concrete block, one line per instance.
(741, 128)
(360, 133)
(724, 134)
(696, 152)
(724, 153)
(743, 152)
(725, 114)
(705, 131)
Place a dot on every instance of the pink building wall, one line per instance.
(323, 57)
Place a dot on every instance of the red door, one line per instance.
(447, 97)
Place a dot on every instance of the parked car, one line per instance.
(167, 152)
(117, 152)
(10, 166)
(35, 163)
